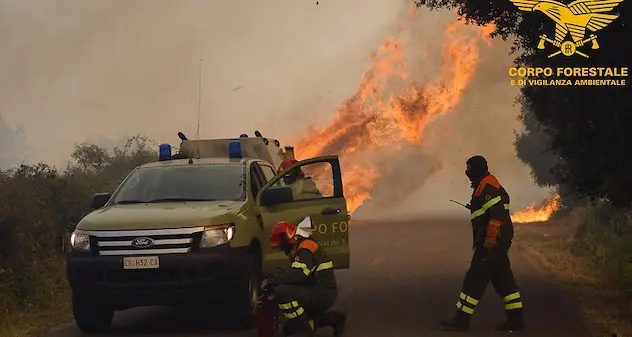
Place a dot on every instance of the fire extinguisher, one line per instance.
(267, 315)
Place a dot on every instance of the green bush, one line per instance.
(39, 207)
(605, 235)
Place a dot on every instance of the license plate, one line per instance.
(141, 262)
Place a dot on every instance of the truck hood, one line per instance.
(162, 215)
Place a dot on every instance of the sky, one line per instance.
(101, 70)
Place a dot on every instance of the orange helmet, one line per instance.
(282, 231)
(285, 164)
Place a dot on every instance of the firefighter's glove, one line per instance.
(267, 286)
(493, 231)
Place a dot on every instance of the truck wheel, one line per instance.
(247, 293)
(90, 317)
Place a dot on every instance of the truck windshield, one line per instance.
(182, 183)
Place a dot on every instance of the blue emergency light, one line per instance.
(164, 152)
(234, 149)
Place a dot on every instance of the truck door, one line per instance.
(326, 206)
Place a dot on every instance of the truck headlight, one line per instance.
(217, 235)
(80, 240)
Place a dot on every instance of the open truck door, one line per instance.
(317, 193)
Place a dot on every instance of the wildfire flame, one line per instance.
(378, 115)
(531, 214)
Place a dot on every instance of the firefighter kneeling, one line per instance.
(309, 288)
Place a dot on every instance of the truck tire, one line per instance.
(90, 317)
(246, 293)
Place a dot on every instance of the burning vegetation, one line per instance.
(542, 213)
(390, 108)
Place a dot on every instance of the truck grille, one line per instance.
(154, 242)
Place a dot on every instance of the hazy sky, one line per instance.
(74, 69)
(102, 69)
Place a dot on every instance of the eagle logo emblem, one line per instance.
(573, 18)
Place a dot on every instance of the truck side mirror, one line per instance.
(99, 200)
(277, 195)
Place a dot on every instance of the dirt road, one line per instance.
(404, 279)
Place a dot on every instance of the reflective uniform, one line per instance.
(490, 217)
(305, 188)
(309, 288)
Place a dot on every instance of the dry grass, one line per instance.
(44, 310)
(603, 302)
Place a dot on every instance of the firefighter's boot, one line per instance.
(338, 322)
(304, 327)
(460, 322)
(334, 319)
(513, 323)
(289, 328)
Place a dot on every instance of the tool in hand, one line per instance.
(464, 205)
(456, 202)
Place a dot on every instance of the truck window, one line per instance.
(269, 173)
(311, 181)
(255, 180)
(183, 182)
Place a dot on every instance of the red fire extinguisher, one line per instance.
(267, 317)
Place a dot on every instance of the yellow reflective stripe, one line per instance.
(512, 306)
(295, 314)
(506, 206)
(468, 299)
(311, 324)
(511, 297)
(464, 308)
(285, 306)
(485, 207)
(301, 266)
(325, 265)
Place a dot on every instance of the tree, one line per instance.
(533, 148)
(587, 126)
(90, 156)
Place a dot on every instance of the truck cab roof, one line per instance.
(195, 161)
(218, 150)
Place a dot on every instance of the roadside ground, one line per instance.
(602, 304)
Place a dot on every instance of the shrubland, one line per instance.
(39, 207)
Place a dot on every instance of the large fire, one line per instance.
(378, 115)
(533, 214)
(391, 109)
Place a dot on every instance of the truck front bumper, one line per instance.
(180, 280)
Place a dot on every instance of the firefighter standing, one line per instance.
(492, 232)
(309, 289)
(302, 187)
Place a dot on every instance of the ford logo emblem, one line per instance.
(143, 242)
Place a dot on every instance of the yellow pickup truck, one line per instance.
(192, 230)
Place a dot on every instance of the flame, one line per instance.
(378, 115)
(531, 214)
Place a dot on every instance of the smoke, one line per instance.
(74, 69)
(14, 150)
